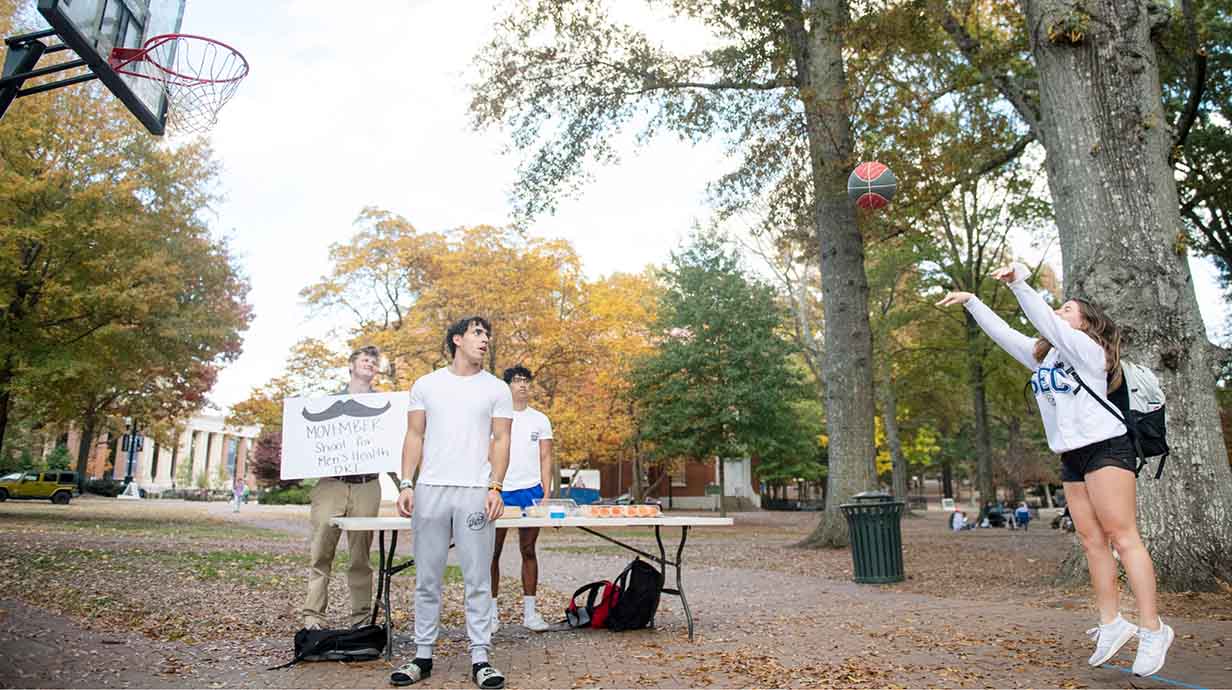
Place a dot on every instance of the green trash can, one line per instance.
(876, 537)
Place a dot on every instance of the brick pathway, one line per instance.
(755, 628)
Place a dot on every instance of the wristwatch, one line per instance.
(406, 484)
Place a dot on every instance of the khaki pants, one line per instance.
(330, 499)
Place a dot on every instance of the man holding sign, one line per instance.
(356, 495)
(457, 437)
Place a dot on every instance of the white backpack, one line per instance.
(1145, 395)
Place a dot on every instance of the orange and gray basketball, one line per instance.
(871, 185)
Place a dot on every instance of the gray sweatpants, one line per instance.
(445, 514)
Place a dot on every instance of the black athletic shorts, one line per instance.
(1113, 452)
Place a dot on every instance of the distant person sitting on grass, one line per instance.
(958, 521)
(1022, 515)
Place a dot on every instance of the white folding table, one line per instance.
(387, 568)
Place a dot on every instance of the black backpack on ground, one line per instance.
(640, 585)
(364, 643)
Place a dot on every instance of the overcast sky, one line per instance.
(343, 111)
(356, 104)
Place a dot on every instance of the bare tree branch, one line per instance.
(971, 49)
(1197, 82)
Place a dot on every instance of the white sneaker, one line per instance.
(535, 623)
(1110, 638)
(1152, 649)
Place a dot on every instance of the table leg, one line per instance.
(684, 534)
(380, 577)
(678, 564)
(662, 551)
(662, 559)
(388, 573)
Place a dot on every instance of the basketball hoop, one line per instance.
(197, 74)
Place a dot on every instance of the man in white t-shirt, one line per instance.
(529, 478)
(457, 437)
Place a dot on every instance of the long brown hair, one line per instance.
(1103, 331)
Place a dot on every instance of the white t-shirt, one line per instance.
(1072, 418)
(458, 430)
(530, 426)
(957, 521)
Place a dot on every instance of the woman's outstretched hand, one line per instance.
(952, 298)
(1006, 275)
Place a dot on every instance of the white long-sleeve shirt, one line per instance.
(1072, 418)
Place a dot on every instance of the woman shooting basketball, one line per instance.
(1097, 456)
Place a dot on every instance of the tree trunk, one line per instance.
(947, 480)
(85, 446)
(1107, 140)
(722, 489)
(635, 486)
(979, 408)
(175, 454)
(1013, 458)
(889, 414)
(5, 398)
(847, 355)
(7, 374)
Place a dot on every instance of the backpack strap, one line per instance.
(1160, 470)
(289, 664)
(298, 658)
(1127, 420)
(622, 580)
(592, 591)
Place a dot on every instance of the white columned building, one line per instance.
(206, 442)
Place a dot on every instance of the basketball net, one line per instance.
(197, 74)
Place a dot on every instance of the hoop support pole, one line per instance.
(79, 79)
(24, 52)
(30, 37)
(17, 79)
(22, 56)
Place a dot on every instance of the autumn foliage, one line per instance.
(400, 289)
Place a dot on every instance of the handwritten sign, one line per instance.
(343, 434)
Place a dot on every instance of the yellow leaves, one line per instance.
(593, 421)
(1071, 28)
(1180, 243)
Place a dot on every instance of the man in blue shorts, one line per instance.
(528, 478)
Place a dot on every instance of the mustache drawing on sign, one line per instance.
(345, 408)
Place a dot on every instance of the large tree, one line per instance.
(115, 297)
(1093, 99)
(719, 383)
(774, 87)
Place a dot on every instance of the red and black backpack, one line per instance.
(600, 597)
(629, 603)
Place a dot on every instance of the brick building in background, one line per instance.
(693, 487)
